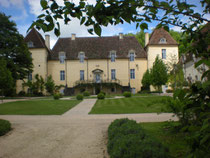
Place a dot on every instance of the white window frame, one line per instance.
(62, 57)
(163, 40)
(82, 75)
(132, 57)
(62, 75)
(163, 53)
(30, 76)
(81, 57)
(113, 56)
(132, 73)
(113, 74)
(30, 44)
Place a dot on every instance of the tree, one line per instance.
(6, 80)
(140, 36)
(146, 80)
(50, 85)
(13, 49)
(159, 75)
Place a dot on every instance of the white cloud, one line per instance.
(73, 26)
(18, 4)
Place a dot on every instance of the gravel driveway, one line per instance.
(74, 134)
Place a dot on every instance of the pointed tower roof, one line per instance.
(161, 37)
(35, 37)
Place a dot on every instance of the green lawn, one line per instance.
(174, 141)
(37, 107)
(148, 104)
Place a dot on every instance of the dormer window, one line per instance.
(162, 40)
(62, 57)
(30, 44)
(81, 57)
(132, 56)
(113, 56)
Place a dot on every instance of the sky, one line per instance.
(24, 12)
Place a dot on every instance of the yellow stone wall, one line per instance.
(172, 53)
(39, 56)
(122, 67)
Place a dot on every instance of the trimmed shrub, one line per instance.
(127, 94)
(60, 95)
(127, 139)
(56, 96)
(5, 127)
(169, 91)
(22, 93)
(103, 93)
(79, 97)
(86, 93)
(100, 96)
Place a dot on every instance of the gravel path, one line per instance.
(75, 134)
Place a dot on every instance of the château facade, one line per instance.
(111, 64)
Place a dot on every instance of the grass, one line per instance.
(178, 147)
(5, 127)
(151, 104)
(37, 107)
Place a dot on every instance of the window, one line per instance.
(30, 44)
(62, 75)
(82, 75)
(113, 74)
(81, 57)
(62, 57)
(132, 73)
(30, 76)
(163, 53)
(162, 40)
(113, 56)
(132, 56)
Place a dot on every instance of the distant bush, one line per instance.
(22, 93)
(5, 127)
(127, 94)
(86, 93)
(100, 96)
(60, 95)
(56, 96)
(103, 93)
(79, 97)
(127, 139)
(169, 91)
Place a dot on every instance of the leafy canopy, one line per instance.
(13, 49)
(159, 75)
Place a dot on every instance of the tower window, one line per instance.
(163, 53)
(62, 57)
(81, 57)
(162, 40)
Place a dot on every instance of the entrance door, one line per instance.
(98, 78)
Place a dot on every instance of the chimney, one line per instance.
(120, 35)
(73, 36)
(146, 38)
(47, 41)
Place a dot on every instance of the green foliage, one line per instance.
(86, 93)
(79, 97)
(5, 127)
(50, 85)
(36, 86)
(13, 49)
(192, 108)
(104, 93)
(56, 96)
(158, 73)
(100, 96)
(127, 139)
(127, 94)
(22, 93)
(6, 80)
(146, 80)
(140, 36)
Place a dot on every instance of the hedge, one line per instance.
(5, 127)
(127, 139)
